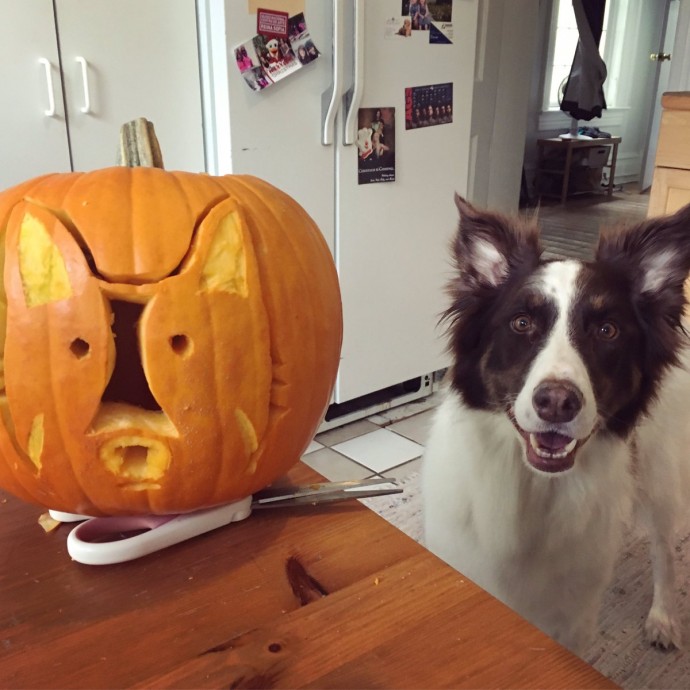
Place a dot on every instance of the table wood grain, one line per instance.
(219, 611)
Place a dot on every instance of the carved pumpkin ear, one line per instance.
(225, 267)
(41, 264)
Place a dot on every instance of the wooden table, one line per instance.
(568, 147)
(218, 611)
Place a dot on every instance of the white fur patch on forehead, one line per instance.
(558, 281)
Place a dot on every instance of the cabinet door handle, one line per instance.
(86, 108)
(50, 112)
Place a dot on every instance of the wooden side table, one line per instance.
(568, 146)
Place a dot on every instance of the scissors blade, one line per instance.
(325, 492)
(101, 541)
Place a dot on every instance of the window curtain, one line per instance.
(583, 96)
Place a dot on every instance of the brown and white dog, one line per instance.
(567, 408)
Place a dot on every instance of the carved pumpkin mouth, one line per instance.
(136, 458)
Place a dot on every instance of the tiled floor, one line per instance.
(389, 444)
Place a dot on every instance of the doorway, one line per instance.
(633, 88)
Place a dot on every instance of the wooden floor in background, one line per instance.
(571, 230)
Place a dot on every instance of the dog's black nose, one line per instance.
(556, 401)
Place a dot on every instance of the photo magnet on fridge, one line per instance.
(427, 106)
(267, 58)
(375, 145)
(397, 27)
(271, 23)
(426, 14)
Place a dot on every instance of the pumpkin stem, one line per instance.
(139, 145)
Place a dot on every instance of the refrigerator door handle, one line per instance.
(330, 99)
(353, 98)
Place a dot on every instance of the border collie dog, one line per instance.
(567, 410)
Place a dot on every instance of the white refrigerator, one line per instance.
(390, 231)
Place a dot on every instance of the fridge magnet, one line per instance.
(266, 59)
(271, 23)
(301, 41)
(275, 56)
(292, 7)
(397, 27)
(441, 33)
(426, 106)
(419, 13)
(432, 16)
(375, 145)
(250, 68)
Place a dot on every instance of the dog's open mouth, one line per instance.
(550, 451)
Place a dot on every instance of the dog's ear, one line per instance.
(489, 245)
(654, 253)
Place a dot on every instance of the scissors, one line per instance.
(108, 540)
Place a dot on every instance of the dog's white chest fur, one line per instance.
(544, 546)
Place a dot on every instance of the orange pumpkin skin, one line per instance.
(171, 340)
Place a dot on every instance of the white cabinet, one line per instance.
(114, 62)
(33, 136)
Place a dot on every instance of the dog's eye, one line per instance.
(607, 331)
(522, 323)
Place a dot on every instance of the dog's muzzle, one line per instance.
(556, 403)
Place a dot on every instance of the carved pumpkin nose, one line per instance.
(557, 401)
(128, 382)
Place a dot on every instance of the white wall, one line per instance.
(506, 41)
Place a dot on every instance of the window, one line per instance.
(563, 42)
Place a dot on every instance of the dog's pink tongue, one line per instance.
(552, 441)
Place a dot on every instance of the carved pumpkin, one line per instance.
(170, 340)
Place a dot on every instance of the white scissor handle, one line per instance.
(50, 112)
(86, 108)
(97, 541)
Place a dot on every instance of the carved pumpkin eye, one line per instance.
(79, 348)
(522, 323)
(181, 345)
(607, 331)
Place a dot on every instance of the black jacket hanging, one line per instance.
(583, 96)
